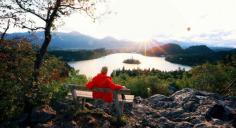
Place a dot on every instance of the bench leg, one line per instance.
(117, 106)
(83, 103)
(74, 95)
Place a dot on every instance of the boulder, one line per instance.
(182, 95)
(158, 97)
(172, 88)
(89, 105)
(137, 99)
(190, 106)
(219, 112)
(161, 101)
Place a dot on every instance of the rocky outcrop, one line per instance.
(186, 108)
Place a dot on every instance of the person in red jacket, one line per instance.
(101, 80)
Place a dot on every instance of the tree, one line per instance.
(43, 15)
(49, 12)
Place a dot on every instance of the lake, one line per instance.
(115, 61)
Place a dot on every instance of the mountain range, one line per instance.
(76, 40)
(73, 40)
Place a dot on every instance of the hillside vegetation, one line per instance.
(16, 67)
(207, 77)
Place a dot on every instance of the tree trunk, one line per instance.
(41, 53)
(47, 39)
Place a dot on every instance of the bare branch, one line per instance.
(29, 10)
(5, 31)
(71, 7)
(33, 29)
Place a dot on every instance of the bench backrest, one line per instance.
(79, 87)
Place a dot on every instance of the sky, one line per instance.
(210, 22)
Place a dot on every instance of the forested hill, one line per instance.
(173, 49)
(192, 55)
(76, 55)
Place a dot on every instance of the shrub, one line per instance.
(16, 67)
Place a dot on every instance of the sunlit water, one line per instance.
(115, 61)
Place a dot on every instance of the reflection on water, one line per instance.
(115, 61)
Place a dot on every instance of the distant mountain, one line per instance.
(74, 40)
(165, 49)
(200, 49)
(175, 49)
(217, 49)
(185, 44)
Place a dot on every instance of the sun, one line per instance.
(144, 45)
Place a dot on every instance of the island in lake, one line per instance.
(131, 61)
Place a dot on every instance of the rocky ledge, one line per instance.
(186, 108)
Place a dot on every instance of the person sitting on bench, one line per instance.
(101, 80)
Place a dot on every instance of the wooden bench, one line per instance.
(119, 96)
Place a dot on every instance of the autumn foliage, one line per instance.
(16, 67)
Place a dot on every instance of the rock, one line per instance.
(89, 105)
(91, 120)
(61, 106)
(45, 126)
(162, 101)
(186, 108)
(219, 112)
(190, 106)
(182, 95)
(201, 125)
(137, 99)
(172, 113)
(172, 88)
(128, 107)
(158, 97)
(73, 123)
(106, 124)
(217, 122)
(42, 114)
(184, 125)
(165, 123)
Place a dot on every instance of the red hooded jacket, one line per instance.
(103, 81)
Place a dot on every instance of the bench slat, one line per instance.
(128, 98)
(86, 94)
